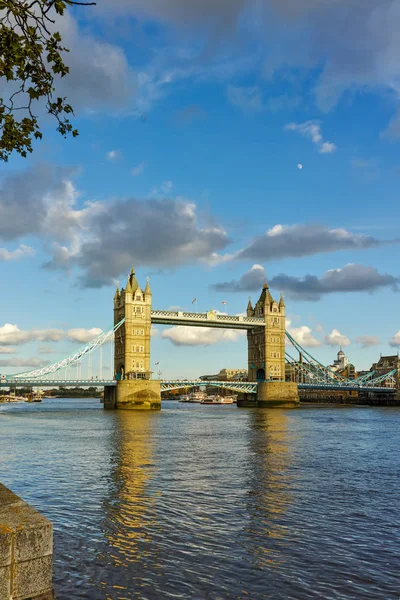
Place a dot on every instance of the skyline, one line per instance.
(214, 153)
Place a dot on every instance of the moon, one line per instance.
(300, 166)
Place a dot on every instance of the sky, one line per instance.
(221, 144)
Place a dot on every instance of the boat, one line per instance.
(12, 398)
(36, 397)
(219, 400)
(193, 397)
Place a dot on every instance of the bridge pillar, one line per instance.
(138, 394)
(110, 397)
(266, 345)
(135, 389)
(278, 394)
(266, 354)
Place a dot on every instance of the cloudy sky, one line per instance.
(221, 143)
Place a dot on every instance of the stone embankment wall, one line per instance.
(364, 398)
(26, 550)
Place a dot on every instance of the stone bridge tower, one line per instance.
(135, 390)
(132, 340)
(266, 353)
(266, 346)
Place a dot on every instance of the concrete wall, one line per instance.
(278, 394)
(139, 394)
(26, 550)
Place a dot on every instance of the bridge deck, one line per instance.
(58, 382)
(238, 386)
(210, 319)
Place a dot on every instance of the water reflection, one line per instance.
(130, 515)
(211, 503)
(272, 487)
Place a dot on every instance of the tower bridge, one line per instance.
(274, 376)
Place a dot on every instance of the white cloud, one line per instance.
(158, 232)
(327, 148)
(250, 281)
(347, 46)
(24, 362)
(201, 336)
(12, 334)
(303, 335)
(82, 335)
(335, 338)
(154, 332)
(21, 252)
(367, 341)
(8, 350)
(351, 278)
(114, 155)
(303, 239)
(312, 130)
(47, 350)
(138, 170)
(100, 77)
(162, 190)
(395, 341)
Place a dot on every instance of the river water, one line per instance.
(211, 502)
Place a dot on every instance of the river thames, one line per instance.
(211, 502)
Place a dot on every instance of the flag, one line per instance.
(224, 302)
(194, 300)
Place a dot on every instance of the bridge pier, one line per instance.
(110, 397)
(277, 394)
(133, 394)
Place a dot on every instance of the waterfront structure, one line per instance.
(227, 375)
(387, 364)
(266, 353)
(132, 339)
(265, 326)
(270, 383)
(26, 550)
(266, 347)
(135, 389)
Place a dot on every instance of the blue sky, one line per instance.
(217, 147)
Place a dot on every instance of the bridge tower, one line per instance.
(266, 346)
(132, 340)
(135, 388)
(266, 353)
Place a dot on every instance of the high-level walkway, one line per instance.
(209, 319)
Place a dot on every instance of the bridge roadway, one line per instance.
(176, 384)
(209, 319)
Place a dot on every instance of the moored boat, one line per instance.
(219, 400)
(193, 397)
(12, 398)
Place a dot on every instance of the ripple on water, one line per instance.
(211, 502)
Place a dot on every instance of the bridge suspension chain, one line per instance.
(73, 359)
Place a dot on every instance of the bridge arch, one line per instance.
(260, 375)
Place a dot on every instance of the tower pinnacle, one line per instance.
(147, 288)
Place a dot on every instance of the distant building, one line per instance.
(386, 364)
(227, 375)
(340, 363)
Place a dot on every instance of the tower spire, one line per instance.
(132, 281)
(147, 289)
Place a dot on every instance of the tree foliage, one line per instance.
(30, 62)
